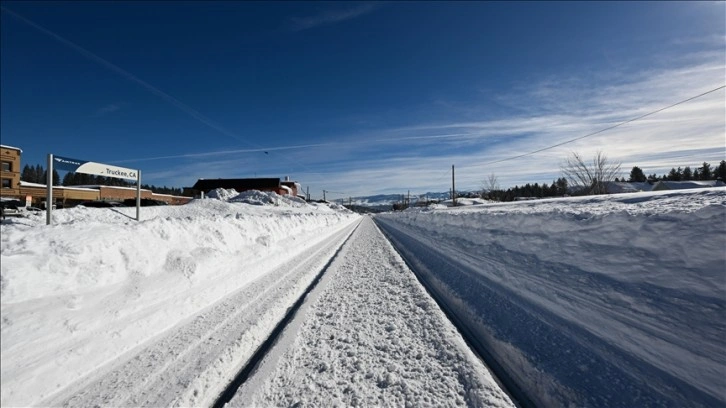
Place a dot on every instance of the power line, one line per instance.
(605, 129)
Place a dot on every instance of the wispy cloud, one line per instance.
(418, 156)
(326, 17)
(108, 109)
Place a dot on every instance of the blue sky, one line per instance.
(362, 98)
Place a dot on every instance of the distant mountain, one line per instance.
(386, 201)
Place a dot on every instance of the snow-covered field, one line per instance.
(598, 301)
(91, 290)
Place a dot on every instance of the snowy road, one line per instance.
(193, 363)
(370, 335)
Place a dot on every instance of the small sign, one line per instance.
(97, 169)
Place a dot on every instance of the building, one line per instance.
(34, 194)
(10, 171)
(281, 187)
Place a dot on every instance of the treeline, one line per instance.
(705, 172)
(37, 174)
(559, 187)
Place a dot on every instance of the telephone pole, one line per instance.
(453, 186)
(324, 196)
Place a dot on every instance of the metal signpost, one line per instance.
(87, 167)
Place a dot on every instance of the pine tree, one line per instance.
(720, 172)
(54, 182)
(68, 179)
(561, 186)
(637, 175)
(27, 173)
(674, 175)
(706, 171)
(39, 173)
(687, 174)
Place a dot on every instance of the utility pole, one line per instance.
(408, 204)
(453, 186)
(308, 193)
(324, 196)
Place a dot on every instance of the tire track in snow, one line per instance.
(370, 335)
(193, 363)
(267, 345)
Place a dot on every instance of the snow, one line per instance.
(605, 301)
(2, 146)
(685, 185)
(372, 336)
(80, 188)
(590, 301)
(464, 201)
(97, 284)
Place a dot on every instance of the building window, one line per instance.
(7, 183)
(6, 166)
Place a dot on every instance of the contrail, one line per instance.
(294, 147)
(131, 77)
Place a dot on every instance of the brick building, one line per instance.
(281, 187)
(10, 171)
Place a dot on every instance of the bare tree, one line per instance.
(491, 183)
(590, 178)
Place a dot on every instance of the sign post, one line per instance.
(138, 196)
(49, 191)
(97, 169)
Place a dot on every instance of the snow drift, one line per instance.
(592, 301)
(97, 283)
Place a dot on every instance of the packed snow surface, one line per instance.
(83, 296)
(372, 336)
(597, 301)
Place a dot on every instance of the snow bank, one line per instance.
(591, 301)
(97, 283)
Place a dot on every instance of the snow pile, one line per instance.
(589, 301)
(223, 194)
(97, 283)
(256, 197)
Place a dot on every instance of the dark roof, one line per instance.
(237, 184)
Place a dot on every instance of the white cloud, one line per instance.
(418, 157)
(332, 16)
(108, 109)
